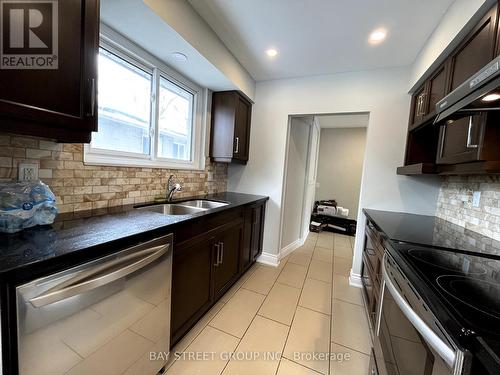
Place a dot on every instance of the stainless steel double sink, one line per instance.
(184, 208)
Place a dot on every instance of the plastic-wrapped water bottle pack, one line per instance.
(25, 204)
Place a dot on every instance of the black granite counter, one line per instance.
(75, 237)
(432, 231)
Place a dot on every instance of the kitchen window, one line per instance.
(148, 115)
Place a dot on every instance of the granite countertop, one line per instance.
(75, 233)
(432, 231)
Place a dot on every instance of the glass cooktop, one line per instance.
(470, 284)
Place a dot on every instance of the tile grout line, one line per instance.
(295, 312)
(260, 306)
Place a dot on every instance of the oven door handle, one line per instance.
(442, 349)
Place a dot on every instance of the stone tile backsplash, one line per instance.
(455, 203)
(81, 187)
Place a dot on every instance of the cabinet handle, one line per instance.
(217, 246)
(221, 252)
(92, 85)
(237, 145)
(370, 252)
(469, 134)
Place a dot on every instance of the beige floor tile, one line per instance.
(237, 314)
(342, 240)
(280, 304)
(309, 334)
(348, 361)
(115, 357)
(301, 257)
(283, 262)
(342, 266)
(262, 280)
(306, 247)
(317, 295)
(343, 252)
(325, 241)
(320, 271)
(350, 327)
(343, 291)
(263, 336)
(291, 368)
(196, 330)
(231, 292)
(210, 340)
(293, 275)
(322, 254)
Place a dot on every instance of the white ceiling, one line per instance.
(316, 37)
(347, 120)
(138, 23)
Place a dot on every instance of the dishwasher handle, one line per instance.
(442, 349)
(100, 275)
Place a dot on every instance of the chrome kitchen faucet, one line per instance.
(172, 187)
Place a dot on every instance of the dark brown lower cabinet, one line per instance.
(208, 264)
(371, 270)
(253, 235)
(192, 292)
(227, 258)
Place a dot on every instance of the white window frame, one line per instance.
(133, 54)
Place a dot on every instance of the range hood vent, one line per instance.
(480, 93)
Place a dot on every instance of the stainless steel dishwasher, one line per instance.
(108, 316)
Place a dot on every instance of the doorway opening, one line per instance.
(324, 162)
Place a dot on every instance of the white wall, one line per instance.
(298, 150)
(181, 16)
(341, 156)
(380, 92)
(459, 13)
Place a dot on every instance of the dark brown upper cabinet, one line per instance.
(470, 139)
(475, 51)
(230, 135)
(58, 103)
(418, 106)
(446, 148)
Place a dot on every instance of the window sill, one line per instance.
(119, 161)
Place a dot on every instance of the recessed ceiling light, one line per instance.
(377, 36)
(179, 56)
(491, 98)
(271, 52)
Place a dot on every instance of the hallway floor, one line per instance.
(303, 316)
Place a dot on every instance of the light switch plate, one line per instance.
(476, 199)
(28, 172)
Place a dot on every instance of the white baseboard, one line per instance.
(355, 280)
(269, 259)
(291, 247)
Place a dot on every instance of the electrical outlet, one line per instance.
(476, 199)
(28, 172)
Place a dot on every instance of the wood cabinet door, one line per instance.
(418, 106)
(61, 101)
(242, 128)
(475, 51)
(258, 214)
(462, 140)
(246, 258)
(192, 292)
(437, 88)
(226, 261)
